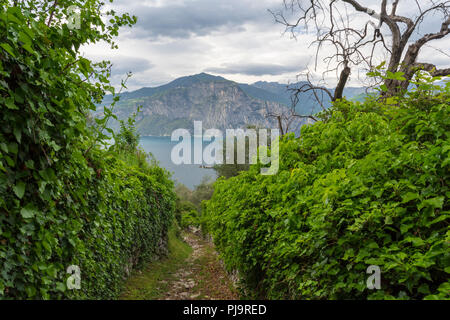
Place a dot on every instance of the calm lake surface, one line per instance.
(188, 174)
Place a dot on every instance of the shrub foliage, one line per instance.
(64, 199)
(367, 185)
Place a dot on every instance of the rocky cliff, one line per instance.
(218, 102)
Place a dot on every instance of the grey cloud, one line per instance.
(123, 64)
(254, 69)
(195, 17)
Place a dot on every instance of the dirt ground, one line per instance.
(192, 271)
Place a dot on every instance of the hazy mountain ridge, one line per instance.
(218, 102)
(307, 103)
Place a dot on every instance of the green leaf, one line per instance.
(31, 291)
(19, 189)
(424, 289)
(18, 134)
(10, 161)
(446, 162)
(24, 38)
(409, 196)
(10, 104)
(28, 48)
(405, 227)
(29, 211)
(416, 241)
(441, 217)
(13, 147)
(8, 49)
(435, 203)
(381, 65)
(4, 147)
(12, 18)
(29, 164)
(60, 286)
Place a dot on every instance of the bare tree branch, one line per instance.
(431, 68)
(52, 13)
(355, 47)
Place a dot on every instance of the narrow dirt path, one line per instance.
(202, 276)
(192, 271)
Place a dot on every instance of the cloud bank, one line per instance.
(237, 39)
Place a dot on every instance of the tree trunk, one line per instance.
(338, 93)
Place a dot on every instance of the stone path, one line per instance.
(202, 276)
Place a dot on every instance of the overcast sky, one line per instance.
(236, 39)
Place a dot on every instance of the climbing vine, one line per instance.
(64, 198)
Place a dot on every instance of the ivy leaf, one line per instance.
(18, 134)
(10, 104)
(388, 220)
(4, 147)
(19, 189)
(13, 147)
(61, 287)
(29, 211)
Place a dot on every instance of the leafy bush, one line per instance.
(190, 219)
(186, 213)
(368, 185)
(189, 205)
(183, 208)
(65, 200)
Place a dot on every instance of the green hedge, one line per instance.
(64, 200)
(102, 215)
(368, 185)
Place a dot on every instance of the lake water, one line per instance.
(188, 174)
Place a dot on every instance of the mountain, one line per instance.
(307, 103)
(275, 88)
(218, 102)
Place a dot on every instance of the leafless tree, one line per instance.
(290, 120)
(385, 33)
